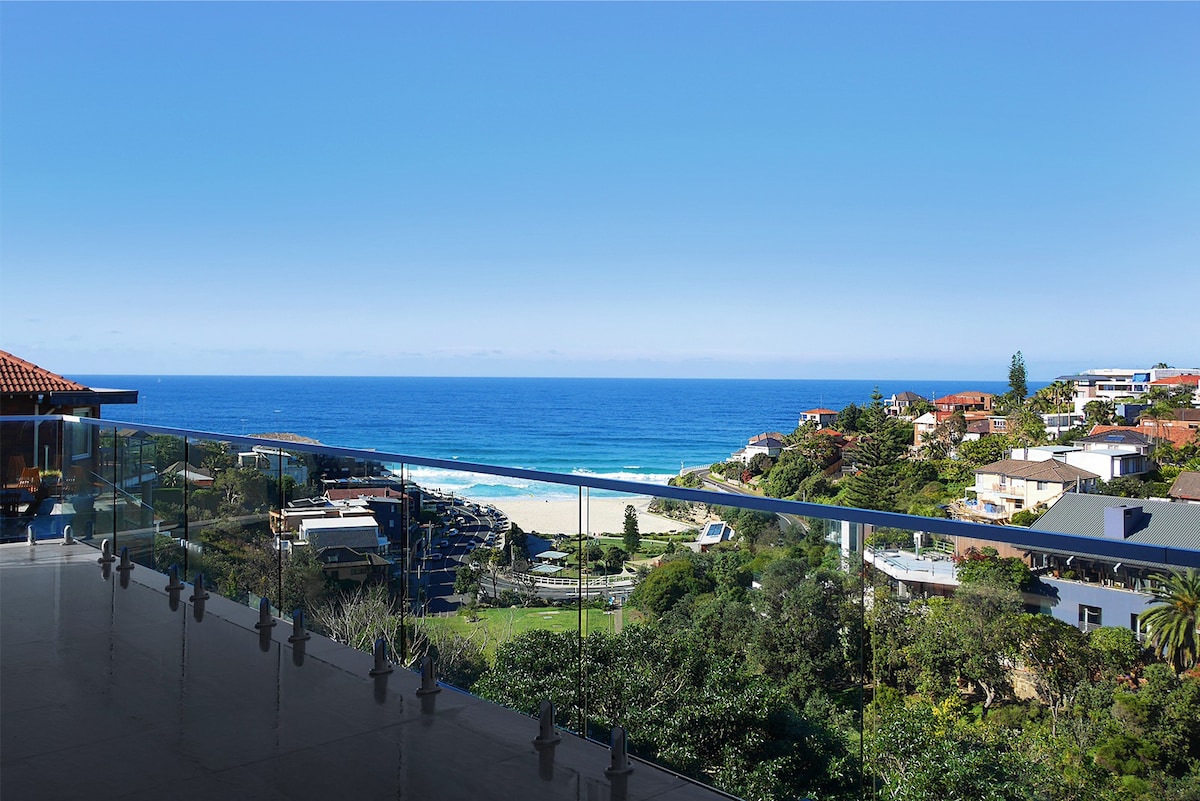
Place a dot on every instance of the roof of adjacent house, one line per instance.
(1174, 434)
(767, 442)
(188, 471)
(1186, 486)
(1122, 436)
(356, 538)
(341, 555)
(820, 411)
(766, 435)
(1191, 380)
(965, 397)
(1048, 470)
(908, 396)
(1174, 525)
(716, 531)
(19, 377)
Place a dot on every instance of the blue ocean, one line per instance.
(635, 429)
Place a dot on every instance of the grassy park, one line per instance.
(500, 625)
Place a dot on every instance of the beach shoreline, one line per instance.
(600, 516)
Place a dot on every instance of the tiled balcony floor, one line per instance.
(106, 693)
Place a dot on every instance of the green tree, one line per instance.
(632, 537)
(466, 580)
(245, 489)
(666, 584)
(1123, 487)
(759, 464)
(1099, 413)
(967, 638)
(945, 437)
(876, 457)
(304, 583)
(698, 711)
(1055, 397)
(786, 476)
(614, 557)
(984, 450)
(1056, 654)
(977, 566)
(806, 638)
(1018, 388)
(1116, 649)
(1172, 620)
(921, 752)
(1025, 427)
(848, 418)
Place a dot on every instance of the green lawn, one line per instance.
(504, 624)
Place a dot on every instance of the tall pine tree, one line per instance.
(877, 457)
(1018, 388)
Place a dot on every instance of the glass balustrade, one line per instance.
(737, 639)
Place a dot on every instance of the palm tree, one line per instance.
(1172, 622)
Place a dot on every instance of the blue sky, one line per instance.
(730, 190)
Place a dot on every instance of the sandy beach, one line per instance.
(601, 516)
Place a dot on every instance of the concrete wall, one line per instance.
(1116, 605)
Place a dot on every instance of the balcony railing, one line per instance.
(219, 525)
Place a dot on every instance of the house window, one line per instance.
(1018, 504)
(1135, 625)
(1089, 617)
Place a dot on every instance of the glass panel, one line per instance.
(19, 502)
(226, 510)
(167, 496)
(717, 636)
(519, 590)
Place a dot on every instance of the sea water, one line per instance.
(635, 429)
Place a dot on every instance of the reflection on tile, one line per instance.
(109, 694)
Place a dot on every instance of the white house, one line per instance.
(1109, 455)
(769, 443)
(1010, 485)
(822, 417)
(274, 462)
(360, 533)
(1112, 383)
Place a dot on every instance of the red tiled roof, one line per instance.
(1191, 380)
(19, 377)
(1176, 435)
(820, 411)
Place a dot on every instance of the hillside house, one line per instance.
(1010, 485)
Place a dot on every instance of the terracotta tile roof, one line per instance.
(1177, 435)
(820, 411)
(19, 377)
(1191, 380)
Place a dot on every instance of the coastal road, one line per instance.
(435, 578)
(709, 482)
